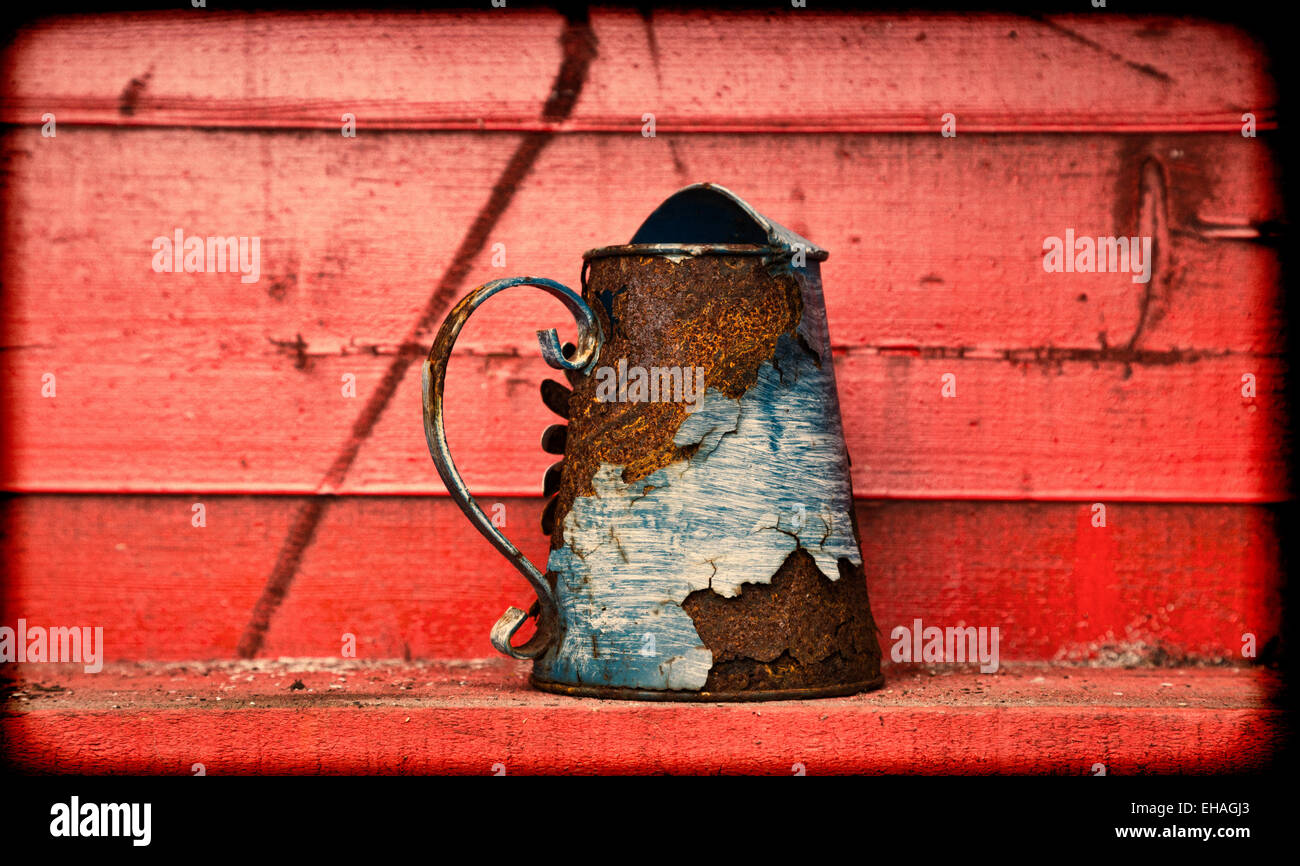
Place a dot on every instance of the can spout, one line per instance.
(705, 213)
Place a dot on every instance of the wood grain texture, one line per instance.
(1055, 430)
(285, 70)
(466, 718)
(1158, 584)
(801, 70)
(409, 577)
(166, 381)
(891, 73)
(933, 242)
(1094, 431)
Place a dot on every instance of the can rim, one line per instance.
(696, 250)
(835, 690)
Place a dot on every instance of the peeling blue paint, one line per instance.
(770, 474)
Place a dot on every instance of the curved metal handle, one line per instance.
(433, 375)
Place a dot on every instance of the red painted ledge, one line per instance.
(478, 717)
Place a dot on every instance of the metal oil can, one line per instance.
(703, 539)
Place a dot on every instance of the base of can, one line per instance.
(618, 693)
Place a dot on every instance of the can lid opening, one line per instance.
(699, 215)
(708, 214)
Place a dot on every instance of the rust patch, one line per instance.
(719, 313)
(801, 631)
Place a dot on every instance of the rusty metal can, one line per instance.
(703, 540)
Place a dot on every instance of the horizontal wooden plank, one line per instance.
(409, 577)
(902, 73)
(480, 720)
(696, 71)
(933, 242)
(165, 380)
(1016, 429)
(1065, 430)
(277, 69)
(1158, 584)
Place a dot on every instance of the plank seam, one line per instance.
(909, 126)
(380, 491)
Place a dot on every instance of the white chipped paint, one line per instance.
(769, 475)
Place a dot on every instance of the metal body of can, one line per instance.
(703, 540)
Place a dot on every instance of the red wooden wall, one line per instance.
(324, 514)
